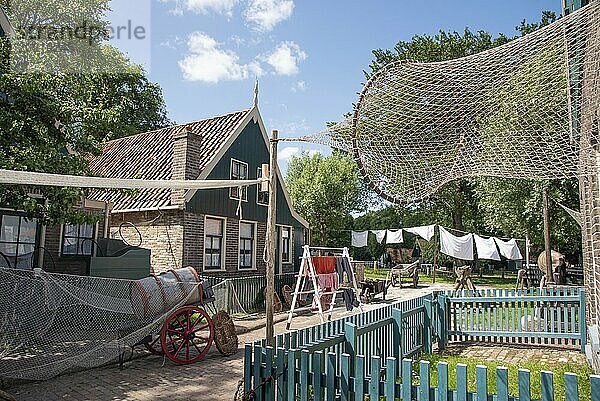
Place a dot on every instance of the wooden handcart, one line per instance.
(188, 332)
(400, 271)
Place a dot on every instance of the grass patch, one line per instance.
(583, 371)
(494, 280)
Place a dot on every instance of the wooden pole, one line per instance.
(435, 251)
(527, 245)
(271, 238)
(547, 236)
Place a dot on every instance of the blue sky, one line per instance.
(309, 55)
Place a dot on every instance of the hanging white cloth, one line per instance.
(457, 247)
(425, 232)
(509, 249)
(394, 237)
(486, 248)
(359, 238)
(379, 235)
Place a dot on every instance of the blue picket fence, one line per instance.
(330, 360)
(533, 316)
(399, 330)
(305, 376)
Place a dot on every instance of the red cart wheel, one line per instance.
(154, 345)
(187, 335)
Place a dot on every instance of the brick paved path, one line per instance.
(514, 354)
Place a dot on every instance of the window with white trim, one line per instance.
(17, 241)
(239, 171)
(286, 245)
(262, 197)
(213, 243)
(247, 231)
(78, 239)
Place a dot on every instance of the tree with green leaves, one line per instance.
(326, 191)
(52, 122)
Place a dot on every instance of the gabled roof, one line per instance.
(149, 155)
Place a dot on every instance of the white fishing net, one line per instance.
(514, 111)
(54, 323)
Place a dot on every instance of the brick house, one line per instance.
(201, 228)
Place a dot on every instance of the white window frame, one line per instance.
(254, 241)
(291, 250)
(223, 242)
(258, 191)
(244, 189)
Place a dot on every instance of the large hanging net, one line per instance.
(515, 111)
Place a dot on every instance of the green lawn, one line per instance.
(494, 280)
(583, 371)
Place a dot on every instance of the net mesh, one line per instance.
(55, 323)
(515, 111)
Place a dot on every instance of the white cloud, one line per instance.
(207, 62)
(299, 86)
(265, 14)
(286, 154)
(173, 43)
(204, 6)
(285, 58)
(297, 127)
(224, 7)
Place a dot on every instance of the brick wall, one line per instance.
(261, 232)
(162, 233)
(186, 233)
(193, 240)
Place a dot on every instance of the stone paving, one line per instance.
(514, 354)
(214, 378)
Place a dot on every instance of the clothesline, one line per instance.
(460, 247)
(451, 229)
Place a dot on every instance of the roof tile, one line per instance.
(149, 156)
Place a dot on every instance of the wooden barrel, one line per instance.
(155, 295)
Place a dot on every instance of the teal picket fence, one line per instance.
(307, 376)
(402, 329)
(533, 316)
(339, 358)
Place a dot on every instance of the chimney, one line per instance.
(186, 160)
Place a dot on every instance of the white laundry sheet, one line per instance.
(486, 248)
(457, 247)
(425, 232)
(379, 235)
(509, 249)
(394, 237)
(359, 238)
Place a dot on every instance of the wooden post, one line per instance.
(271, 237)
(435, 251)
(527, 245)
(547, 236)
